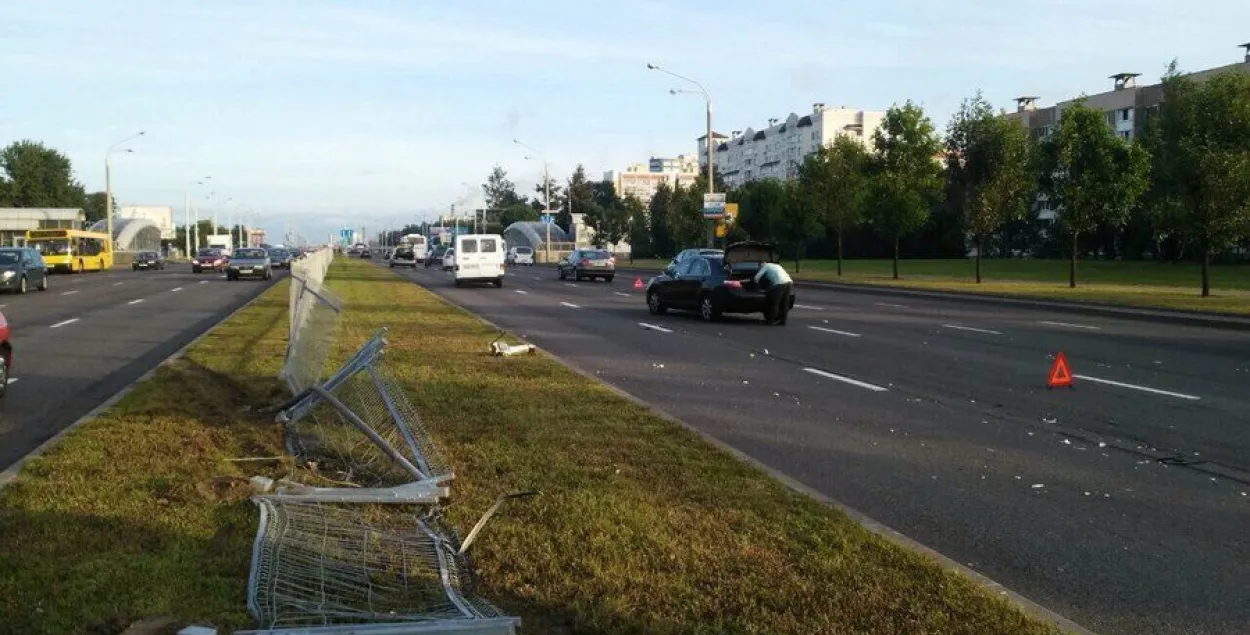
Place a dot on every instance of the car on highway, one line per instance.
(6, 355)
(587, 264)
(479, 258)
(387, 253)
(280, 258)
(148, 260)
(449, 260)
(521, 256)
(687, 254)
(715, 284)
(209, 259)
(250, 262)
(366, 253)
(403, 257)
(435, 257)
(22, 268)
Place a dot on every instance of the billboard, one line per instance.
(714, 206)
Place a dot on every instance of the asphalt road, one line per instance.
(89, 335)
(1121, 504)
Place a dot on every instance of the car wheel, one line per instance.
(4, 373)
(607, 278)
(560, 273)
(458, 283)
(498, 283)
(707, 309)
(43, 282)
(21, 285)
(654, 304)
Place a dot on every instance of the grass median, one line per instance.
(641, 527)
(1128, 283)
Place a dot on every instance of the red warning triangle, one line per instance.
(637, 283)
(1060, 376)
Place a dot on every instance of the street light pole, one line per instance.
(108, 186)
(186, 214)
(546, 198)
(711, 188)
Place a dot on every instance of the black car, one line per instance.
(687, 254)
(715, 284)
(435, 257)
(403, 257)
(148, 260)
(365, 253)
(280, 258)
(22, 268)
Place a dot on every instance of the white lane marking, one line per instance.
(892, 305)
(569, 284)
(834, 331)
(1167, 393)
(537, 278)
(177, 289)
(1072, 326)
(623, 295)
(570, 305)
(3, 305)
(654, 327)
(12, 380)
(60, 324)
(135, 301)
(848, 380)
(808, 307)
(116, 284)
(970, 329)
(203, 282)
(521, 292)
(70, 292)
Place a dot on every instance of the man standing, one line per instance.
(776, 284)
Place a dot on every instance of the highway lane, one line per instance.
(949, 435)
(90, 335)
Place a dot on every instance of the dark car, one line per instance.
(715, 285)
(250, 262)
(280, 258)
(435, 257)
(404, 257)
(366, 253)
(6, 355)
(22, 268)
(148, 260)
(210, 259)
(587, 263)
(687, 254)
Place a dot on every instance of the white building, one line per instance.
(641, 181)
(162, 217)
(778, 150)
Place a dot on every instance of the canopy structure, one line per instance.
(132, 234)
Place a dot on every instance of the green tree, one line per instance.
(1091, 175)
(38, 176)
(606, 214)
(685, 217)
(657, 221)
(639, 228)
(906, 176)
(579, 193)
(499, 191)
(988, 165)
(1200, 154)
(517, 212)
(760, 208)
(94, 208)
(799, 220)
(836, 178)
(539, 200)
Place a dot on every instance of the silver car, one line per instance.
(250, 262)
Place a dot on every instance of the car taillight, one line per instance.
(732, 284)
(585, 261)
(217, 261)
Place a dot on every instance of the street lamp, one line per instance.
(186, 213)
(108, 185)
(546, 197)
(711, 188)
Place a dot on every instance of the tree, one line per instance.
(606, 214)
(760, 208)
(906, 177)
(799, 219)
(987, 166)
(499, 191)
(517, 212)
(540, 202)
(94, 207)
(657, 220)
(639, 228)
(38, 176)
(685, 217)
(1200, 155)
(1090, 174)
(835, 177)
(578, 196)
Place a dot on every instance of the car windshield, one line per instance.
(9, 257)
(147, 254)
(244, 254)
(207, 253)
(277, 253)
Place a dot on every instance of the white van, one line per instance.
(479, 258)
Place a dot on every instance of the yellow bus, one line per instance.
(72, 250)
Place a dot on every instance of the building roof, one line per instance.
(715, 135)
(23, 218)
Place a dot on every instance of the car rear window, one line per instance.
(524, 251)
(250, 253)
(596, 255)
(468, 246)
(489, 245)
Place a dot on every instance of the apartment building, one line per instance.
(642, 180)
(777, 150)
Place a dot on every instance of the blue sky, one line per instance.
(322, 114)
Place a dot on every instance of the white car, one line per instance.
(479, 258)
(449, 260)
(521, 256)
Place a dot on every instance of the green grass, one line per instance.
(641, 527)
(1129, 283)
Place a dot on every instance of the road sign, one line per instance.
(714, 206)
(548, 219)
(731, 211)
(722, 230)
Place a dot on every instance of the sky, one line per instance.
(317, 115)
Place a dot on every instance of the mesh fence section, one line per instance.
(317, 563)
(313, 335)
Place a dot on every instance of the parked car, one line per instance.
(715, 284)
(404, 257)
(250, 262)
(148, 260)
(521, 256)
(435, 257)
(6, 355)
(587, 263)
(449, 260)
(479, 258)
(210, 259)
(22, 268)
(280, 258)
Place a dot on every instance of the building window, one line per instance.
(1124, 114)
(1126, 135)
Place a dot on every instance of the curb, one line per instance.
(1027, 606)
(1144, 314)
(12, 471)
